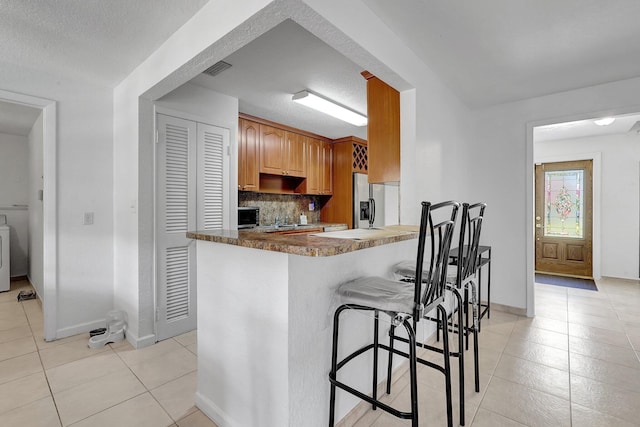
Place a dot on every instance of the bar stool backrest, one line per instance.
(470, 227)
(440, 232)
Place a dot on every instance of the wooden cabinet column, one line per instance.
(383, 130)
(248, 146)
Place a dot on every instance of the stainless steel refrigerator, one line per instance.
(368, 203)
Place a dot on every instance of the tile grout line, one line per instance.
(147, 390)
(44, 371)
(569, 364)
(491, 376)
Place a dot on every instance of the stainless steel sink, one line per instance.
(283, 227)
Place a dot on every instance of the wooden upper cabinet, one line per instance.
(295, 152)
(272, 150)
(383, 130)
(275, 158)
(320, 167)
(282, 152)
(314, 171)
(248, 168)
(326, 183)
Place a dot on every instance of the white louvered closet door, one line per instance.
(191, 195)
(212, 162)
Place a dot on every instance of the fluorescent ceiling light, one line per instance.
(329, 107)
(605, 121)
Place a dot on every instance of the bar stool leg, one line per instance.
(392, 330)
(334, 365)
(475, 300)
(466, 316)
(374, 391)
(461, 351)
(489, 287)
(413, 372)
(480, 300)
(447, 366)
(476, 361)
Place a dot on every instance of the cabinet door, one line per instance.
(314, 166)
(296, 154)
(383, 131)
(272, 146)
(326, 185)
(248, 167)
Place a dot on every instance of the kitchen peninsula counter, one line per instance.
(312, 244)
(265, 304)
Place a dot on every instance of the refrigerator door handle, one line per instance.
(372, 211)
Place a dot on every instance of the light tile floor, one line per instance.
(575, 364)
(65, 383)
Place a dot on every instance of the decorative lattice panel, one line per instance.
(360, 158)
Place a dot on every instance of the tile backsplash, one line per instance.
(283, 206)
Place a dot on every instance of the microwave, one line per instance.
(248, 217)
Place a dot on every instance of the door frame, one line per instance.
(596, 158)
(595, 231)
(596, 186)
(49, 206)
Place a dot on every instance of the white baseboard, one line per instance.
(80, 328)
(140, 342)
(508, 309)
(212, 411)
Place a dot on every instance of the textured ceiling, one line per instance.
(287, 59)
(487, 52)
(496, 51)
(97, 40)
(17, 119)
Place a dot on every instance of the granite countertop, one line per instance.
(311, 244)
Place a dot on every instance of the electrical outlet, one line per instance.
(312, 206)
(88, 218)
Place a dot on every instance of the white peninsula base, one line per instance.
(264, 332)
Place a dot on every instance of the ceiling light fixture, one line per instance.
(329, 107)
(605, 121)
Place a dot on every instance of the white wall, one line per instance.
(620, 195)
(14, 183)
(84, 164)
(36, 220)
(502, 158)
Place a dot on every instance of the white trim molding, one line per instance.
(50, 202)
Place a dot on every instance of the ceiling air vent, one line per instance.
(216, 68)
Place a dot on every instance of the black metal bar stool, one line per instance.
(460, 279)
(405, 303)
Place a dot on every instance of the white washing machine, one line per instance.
(4, 254)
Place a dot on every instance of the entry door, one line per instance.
(563, 221)
(190, 196)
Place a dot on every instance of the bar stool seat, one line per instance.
(379, 293)
(407, 269)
